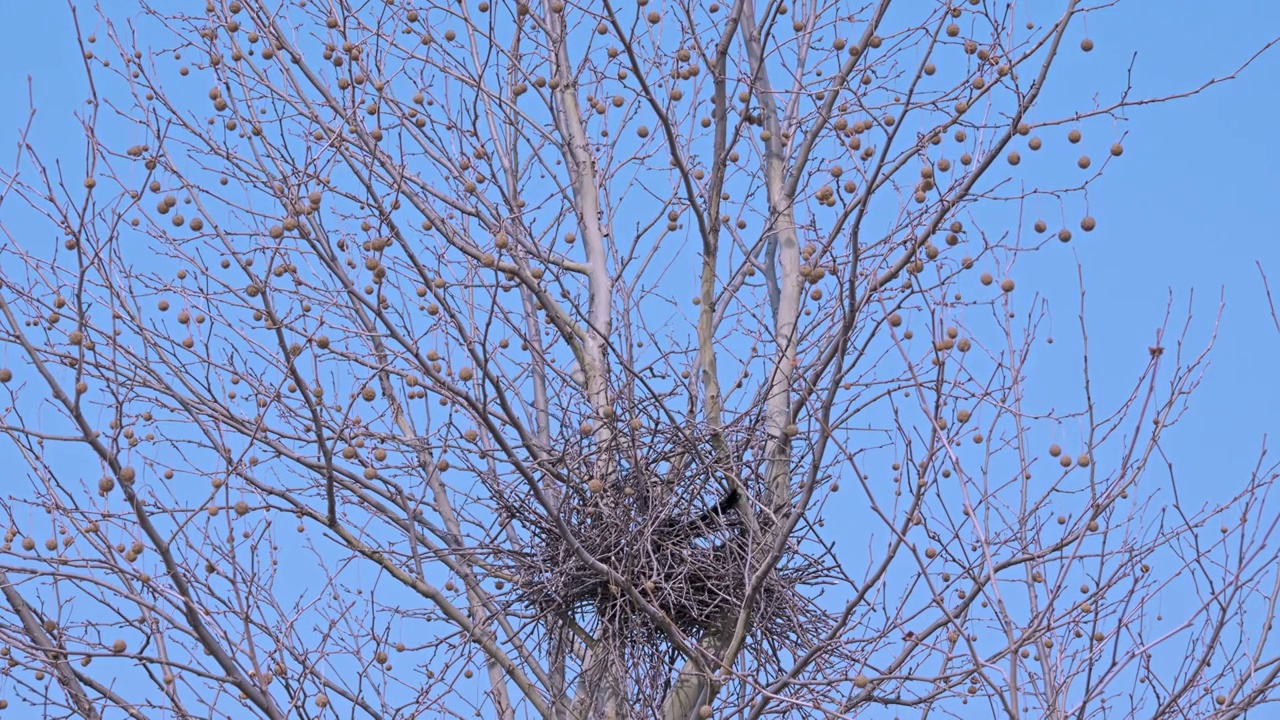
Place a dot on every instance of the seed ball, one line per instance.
(1117, 150)
(5, 375)
(1040, 226)
(895, 320)
(1006, 285)
(1034, 143)
(1074, 136)
(1083, 461)
(1086, 44)
(1014, 158)
(705, 711)
(1088, 224)
(1083, 162)
(1064, 235)
(986, 279)
(1055, 450)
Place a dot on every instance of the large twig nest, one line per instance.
(656, 523)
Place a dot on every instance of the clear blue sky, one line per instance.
(1191, 207)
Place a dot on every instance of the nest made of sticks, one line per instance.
(673, 533)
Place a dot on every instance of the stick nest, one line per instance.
(657, 530)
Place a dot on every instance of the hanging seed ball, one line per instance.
(642, 131)
(1034, 143)
(1040, 226)
(1086, 44)
(895, 320)
(1088, 224)
(1083, 461)
(1117, 150)
(595, 485)
(5, 375)
(1064, 235)
(1014, 158)
(986, 279)
(1083, 162)
(118, 647)
(705, 711)
(1074, 136)
(1055, 450)
(1006, 285)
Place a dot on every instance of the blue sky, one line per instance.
(1188, 209)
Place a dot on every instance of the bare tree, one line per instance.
(573, 360)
